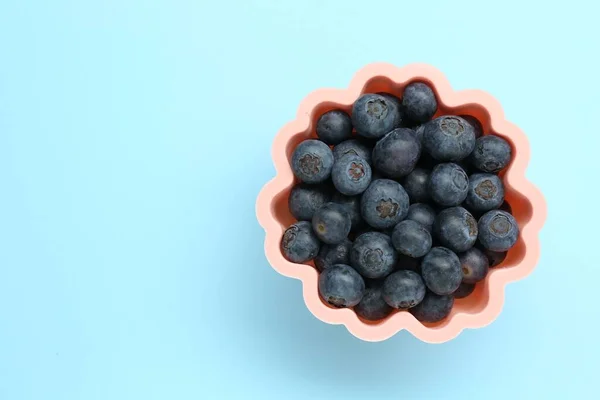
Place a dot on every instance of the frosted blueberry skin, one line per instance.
(418, 102)
(355, 147)
(373, 255)
(486, 192)
(341, 286)
(415, 184)
(475, 265)
(448, 138)
(374, 115)
(334, 127)
(331, 223)
(384, 204)
(433, 308)
(448, 184)
(312, 161)
(373, 307)
(411, 239)
(456, 229)
(498, 231)
(299, 243)
(422, 213)
(332, 254)
(403, 289)
(306, 199)
(491, 154)
(441, 271)
(351, 175)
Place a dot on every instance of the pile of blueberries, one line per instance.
(399, 210)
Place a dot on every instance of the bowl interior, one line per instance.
(521, 206)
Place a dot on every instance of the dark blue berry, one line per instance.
(441, 271)
(456, 229)
(419, 132)
(398, 103)
(351, 175)
(464, 290)
(403, 289)
(498, 230)
(474, 264)
(491, 154)
(418, 102)
(373, 255)
(352, 204)
(486, 192)
(495, 257)
(477, 128)
(299, 243)
(411, 239)
(354, 147)
(448, 138)
(312, 161)
(334, 127)
(372, 307)
(374, 115)
(332, 223)
(384, 204)
(415, 185)
(306, 199)
(433, 308)
(331, 254)
(448, 184)
(397, 153)
(341, 286)
(422, 213)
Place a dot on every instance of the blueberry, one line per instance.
(495, 257)
(418, 101)
(486, 192)
(448, 138)
(415, 185)
(352, 204)
(332, 223)
(334, 127)
(498, 230)
(419, 132)
(491, 153)
(299, 243)
(448, 184)
(408, 263)
(332, 254)
(433, 308)
(374, 115)
(397, 153)
(441, 271)
(351, 175)
(464, 290)
(306, 199)
(355, 147)
(456, 229)
(474, 264)
(373, 255)
(372, 307)
(312, 161)
(384, 204)
(474, 122)
(398, 103)
(422, 213)
(403, 289)
(411, 239)
(341, 286)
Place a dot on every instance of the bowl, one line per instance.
(527, 203)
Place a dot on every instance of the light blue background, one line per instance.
(135, 136)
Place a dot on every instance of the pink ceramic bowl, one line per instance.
(528, 205)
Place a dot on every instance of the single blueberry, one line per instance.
(486, 192)
(433, 308)
(352, 204)
(441, 271)
(474, 264)
(408, 263)
(422, 213)
(464, 290)
(341, 286)
(351, 175)
(448, 138)
(372, 307)
(334, 127)
(398, 103)
(491, 154)
(418, 102)
(374, 115)
(498, 230)
(332, 223)
(448, 184)
(495, 257)
(384, 204)
(456, 229)
(332, 254)
(474, 122)
(312, 161)
(397, 153)
(306, 199)
(355, 147)
(415, 185)
(299, 243)
(403, 289)
(411, 239)
(373, 255)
